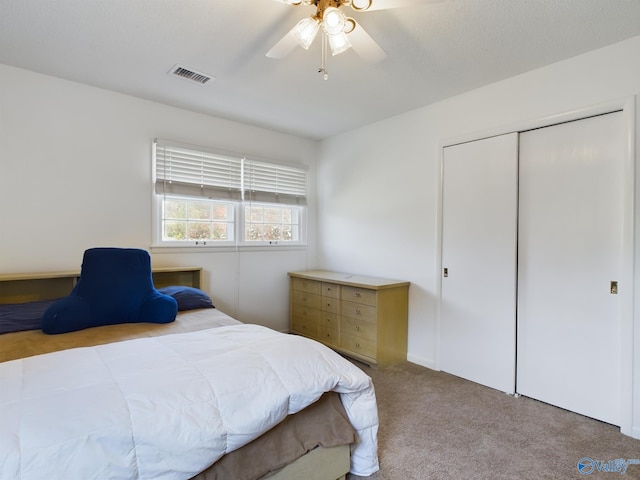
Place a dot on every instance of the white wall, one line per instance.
(378, 185)
(75, 173)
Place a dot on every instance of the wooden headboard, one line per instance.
(31, 287)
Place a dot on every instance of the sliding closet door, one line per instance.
(570, 239)
(477, 316)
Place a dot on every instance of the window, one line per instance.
(212, 198)
(187, 219)
(271, 223)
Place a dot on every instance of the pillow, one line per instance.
(115, 286)
(17, 317)
(188, 298)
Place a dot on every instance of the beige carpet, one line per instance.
(437, 426)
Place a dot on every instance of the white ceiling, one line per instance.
(435, 50)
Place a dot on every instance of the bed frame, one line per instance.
(319, 464)
(31, 287)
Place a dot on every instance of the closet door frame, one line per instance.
(629, 285)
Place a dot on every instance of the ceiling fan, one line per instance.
(339, 32)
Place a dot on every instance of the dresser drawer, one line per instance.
(359, 295)
(358, 328)
(308, 299)
(357, 345)
(305, 327)
(304, 285)
(329, 322)
(305, 321)
(359, 311)
(304, 311)
(330, 290)
(331, 305)
(329, 328)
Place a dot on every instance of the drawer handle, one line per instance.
(328, 304)
(357, 327)
(357, 345)
(357, 312)
(358, 294)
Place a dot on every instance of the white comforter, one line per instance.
(168, 407)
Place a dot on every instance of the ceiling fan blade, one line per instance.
(387, 4)
(284, 47)
(364, 45)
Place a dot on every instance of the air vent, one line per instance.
(188, 74)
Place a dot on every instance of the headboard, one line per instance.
(31, 287)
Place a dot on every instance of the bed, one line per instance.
(53, 382)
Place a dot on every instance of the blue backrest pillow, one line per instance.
(115, 286)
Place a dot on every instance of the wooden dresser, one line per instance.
(362, 317)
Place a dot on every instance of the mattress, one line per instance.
(33, 342)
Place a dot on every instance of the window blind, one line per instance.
(268, 182)
(184, 171)
(191, 171)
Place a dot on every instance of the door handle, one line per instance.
(445, 272)
(613, 287)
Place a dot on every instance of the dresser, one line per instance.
(361, 317)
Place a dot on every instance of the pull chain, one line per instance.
(323, 66)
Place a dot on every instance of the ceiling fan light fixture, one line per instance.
(305, 31)
(349, 25)
(333, 21)
(293, 2)
(339, 43)
(361, 4)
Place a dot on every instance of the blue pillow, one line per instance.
(17, 317)
(188, 298)
(115, 286)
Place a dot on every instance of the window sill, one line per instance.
(224, 248)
